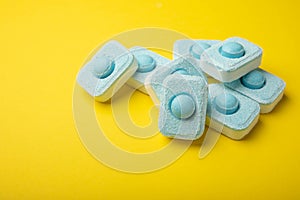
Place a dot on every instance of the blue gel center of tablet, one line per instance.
(226, 104)
(145, 63)
(197, 49)
(254, 80)
(103, 67)
(232, 50)
(182, 106)
(180, 71)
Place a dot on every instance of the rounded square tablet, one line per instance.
(154, 82)
(183, 107)
(107, 70)
(238, 114)
(147, 62)
(192, 48)
(231, 59)
(261, 86)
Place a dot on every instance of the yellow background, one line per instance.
(43, 45)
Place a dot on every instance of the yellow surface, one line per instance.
(43, 45)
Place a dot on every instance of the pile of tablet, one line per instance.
(208, 81)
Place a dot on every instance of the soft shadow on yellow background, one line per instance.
(43, 45)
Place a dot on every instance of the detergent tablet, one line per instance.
(231, 59)
(147, 62)
(235, 112)
(183, 107)
(261, 86)
(193, 48)
(106, 71)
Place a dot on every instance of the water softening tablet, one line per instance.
(107, 71)
(262, 87)
(193, 48)
(183, 66)
(231, 59)
(235, 112)
(147, 62)
(183, 107)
